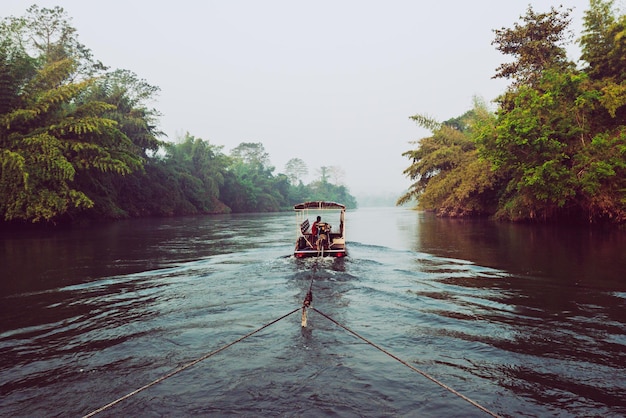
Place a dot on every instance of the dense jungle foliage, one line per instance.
(79, 141)
(555, 147)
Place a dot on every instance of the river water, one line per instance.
(525, 321)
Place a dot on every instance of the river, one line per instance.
(524, 321)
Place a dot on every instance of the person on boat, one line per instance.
(322, 230)
(314, 228)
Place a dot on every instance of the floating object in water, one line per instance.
(306, 304)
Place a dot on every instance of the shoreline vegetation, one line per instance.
(78, 141)
(554, 150)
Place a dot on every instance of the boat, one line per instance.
(316, 236)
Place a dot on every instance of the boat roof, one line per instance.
(319, 204)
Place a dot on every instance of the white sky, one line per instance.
(332, 82)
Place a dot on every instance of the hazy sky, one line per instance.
(330, 82)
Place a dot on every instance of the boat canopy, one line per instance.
(319, 205)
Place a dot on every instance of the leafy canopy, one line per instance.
(556, 146)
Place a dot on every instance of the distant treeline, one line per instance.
(78, 141)
(555, 148)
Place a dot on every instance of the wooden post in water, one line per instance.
(304, 317)
(307, 303)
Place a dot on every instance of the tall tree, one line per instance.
(601, 163)
(296, 169)
(536, 44)
(603, 46)
(251, 185)
(53, 38)
(252, 154)
(602, 41)
(324, 173)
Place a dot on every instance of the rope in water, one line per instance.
(415, 369)
(186, 366)
(305, 305)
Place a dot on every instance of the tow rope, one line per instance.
(306, 304)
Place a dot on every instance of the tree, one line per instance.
(16, 68)
(451, 177)
(603, 41)
(296, 169)
(200, 170)
(600, 164)
(251, 185)
(48, 133)
(536, 139)
(130, 95)
(337, 174)
(559, 140)
(603, 46)
(252, 154)
(536, 45)
(530, 147)
(324, 173)
(46, 140)
(51, 37)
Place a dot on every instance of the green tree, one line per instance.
(603, 45)
(451, 178)
(48, 133)
(47, 139)
(558, 140)
(16, 68)
(128, 97)
(603, 42)
(600, 163)
(536, 44)
(199, 167)
(249, 187)
(536, 139)
(324, 190)
(74, 136)
(252, 155)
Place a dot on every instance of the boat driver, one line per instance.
(321, 230)
(314, 228)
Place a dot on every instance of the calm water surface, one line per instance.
(526, 321)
